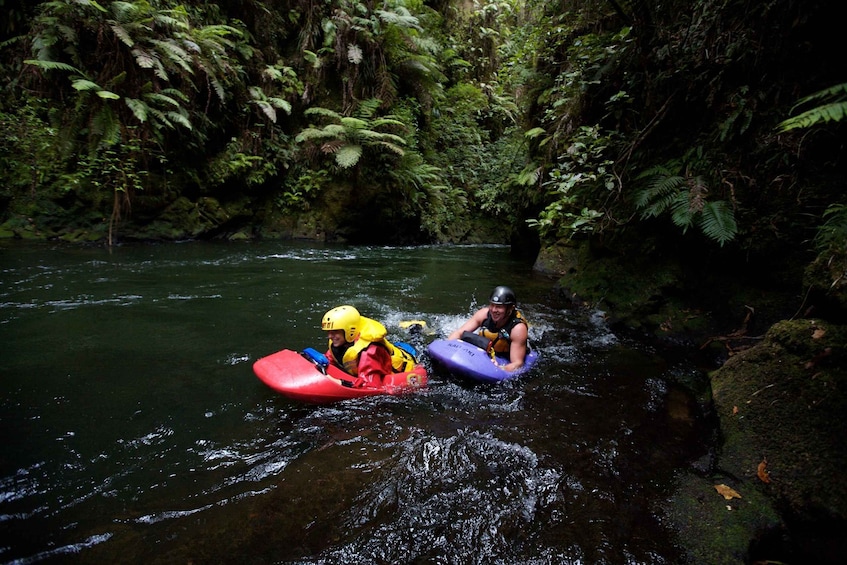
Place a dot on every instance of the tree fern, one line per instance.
(348, 155)
(348, 136)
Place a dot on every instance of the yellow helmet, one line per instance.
(344, 318)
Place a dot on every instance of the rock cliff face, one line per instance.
(771, 490)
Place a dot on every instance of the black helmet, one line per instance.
(503, 295)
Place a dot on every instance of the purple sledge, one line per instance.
(466, 360)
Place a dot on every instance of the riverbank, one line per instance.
(770, 488)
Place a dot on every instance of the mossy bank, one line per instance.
(777, 394)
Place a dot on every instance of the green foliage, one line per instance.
(29, 150)
(426, 195)
(300, 187)
(683, 195)
(580, 182)
(346, 137)
(832, 107)
(831, 239)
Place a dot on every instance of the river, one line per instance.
(135, 431)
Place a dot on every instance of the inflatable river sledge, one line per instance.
(471, 362)
(307, 376)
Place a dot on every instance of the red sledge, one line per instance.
(308, 377)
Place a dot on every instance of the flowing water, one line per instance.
(134, 430)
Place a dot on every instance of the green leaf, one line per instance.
(717, 222)
(534, 132)
(108, 95)
(834, 112)
(180, 119)
(139, 108)
(83, 84)
(348, 155)
(52, 65)
(267, 108)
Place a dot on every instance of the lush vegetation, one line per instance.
(718, 123)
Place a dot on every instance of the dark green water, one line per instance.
(134, 430)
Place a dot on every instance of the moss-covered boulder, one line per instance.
(784, 402)
(782, 408)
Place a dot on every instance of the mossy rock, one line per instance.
(712, 529)
(782, 406)
(784, 401)
(639, 293)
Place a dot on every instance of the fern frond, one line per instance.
(325, 112)
(348, 155)
(312, 134)
(52, 65)
(658, 190)
(83, 85)
(217, 87)
(402, 18)
(143, 59)
(832, 234)
(280, 104)
(534, 132)
(391, 138)
(175, 93)
(139, 108)
(387, 121)
(256, 93)
(268, 110)
(175, 53)
(168, 20)
(106, 126)
(529, 175)
(833, 112)
(181, 119)
(123, 35)
(353, 123)
(825, 94)
(125, 11)
(717, 222)
(158, 97)
(392, 147)
(368, 108)
(682, 210)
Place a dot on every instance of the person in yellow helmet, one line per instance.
(502, 325)
(358, 346)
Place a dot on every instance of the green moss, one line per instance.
(714, 530)
(785, 401)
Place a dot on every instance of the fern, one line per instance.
(139, 108)
(106, 126)
(396, 149)
(717, 222)
(833, 109)
(832, 235)
(348, 155)
(684, 198)
(82, 84)
(833, 112)
(52, 65)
